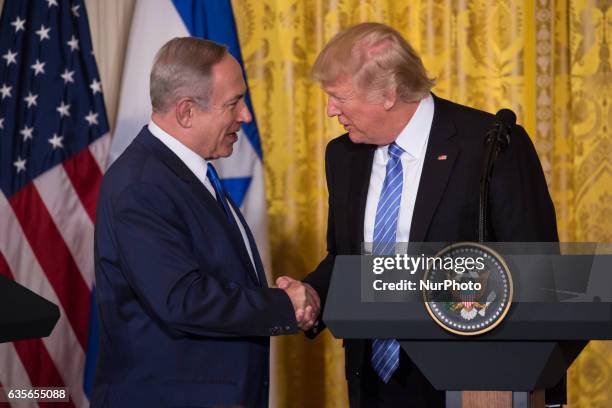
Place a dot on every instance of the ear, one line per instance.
(183, 109)
(390, 98)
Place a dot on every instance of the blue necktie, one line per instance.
(212, 175)
(385, 352)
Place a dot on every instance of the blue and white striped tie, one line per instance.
(385, 352)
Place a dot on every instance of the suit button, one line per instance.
(357, 373)
(266, 383)
(287, 328)
(275, 330)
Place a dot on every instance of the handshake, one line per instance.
(304, 299)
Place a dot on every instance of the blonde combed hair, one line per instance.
(377, 59)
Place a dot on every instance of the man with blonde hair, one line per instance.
(408, 170)
(185, 309)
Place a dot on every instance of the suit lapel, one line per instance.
(231, 228)
(199, 190)
(259, 269)
(359, 172)
(442, 151)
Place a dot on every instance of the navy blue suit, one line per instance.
(185, 320)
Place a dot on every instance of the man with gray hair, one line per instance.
(185, 309)
(408, 170)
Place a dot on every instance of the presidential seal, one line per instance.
(469, 291)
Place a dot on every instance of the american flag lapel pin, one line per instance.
(442, 157)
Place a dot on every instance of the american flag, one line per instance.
(53, 146)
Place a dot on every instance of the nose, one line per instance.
(245, 115)
(332, 108)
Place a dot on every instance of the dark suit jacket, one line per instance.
(184, 319)
(446, 208)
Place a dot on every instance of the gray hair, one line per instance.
(182, 68)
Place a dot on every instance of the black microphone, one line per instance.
(506, 116)
(497, 140)
(505, 119)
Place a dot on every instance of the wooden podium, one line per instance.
(486, 399)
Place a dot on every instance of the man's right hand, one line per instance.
(304, 299)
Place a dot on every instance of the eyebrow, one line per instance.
(235, 98)
(338, 96)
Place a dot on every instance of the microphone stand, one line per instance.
(496, 141)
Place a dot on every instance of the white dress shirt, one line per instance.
(199, 167)
(413, 139)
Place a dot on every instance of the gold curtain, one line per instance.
(548, 60)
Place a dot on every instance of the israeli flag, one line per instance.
(154, 23)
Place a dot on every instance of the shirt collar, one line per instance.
(415, 134)
(196, 163)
